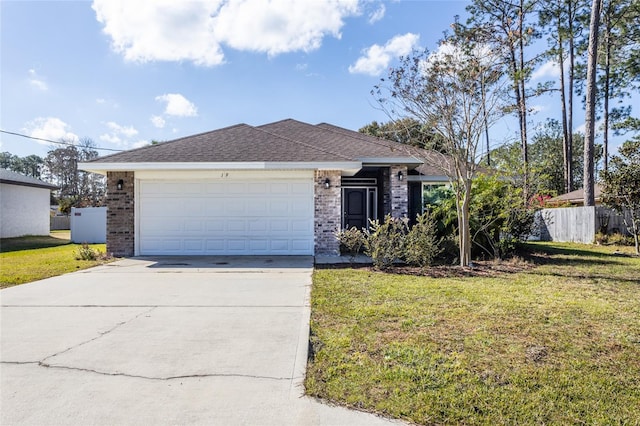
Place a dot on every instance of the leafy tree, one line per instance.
(408, 131)
(621, 186)
(562, 20)
(619, 47)
(443, 91)
(500, 219)
(547, 170)
(504, 25)
(30, 165)
(61, 167)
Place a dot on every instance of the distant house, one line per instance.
(574, 198)
(24, 205)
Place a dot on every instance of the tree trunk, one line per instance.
(486, 123)
(589, 136)
(464, 231)
(607, 91)
(523, 105)
(570, 112)
(563, 102)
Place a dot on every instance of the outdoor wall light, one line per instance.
(400, 175)
(120, 185)
(327, 183)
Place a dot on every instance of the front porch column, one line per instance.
(328, 208)
(399, 192)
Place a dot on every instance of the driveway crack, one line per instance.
(167, 378)
(102, 334)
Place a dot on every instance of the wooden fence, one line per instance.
(578, 224)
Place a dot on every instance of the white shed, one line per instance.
(24, 205)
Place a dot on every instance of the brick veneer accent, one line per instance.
(328, 205)
(120, 214)
(386, 193)
(399, 192)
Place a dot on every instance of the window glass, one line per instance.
(433, 194)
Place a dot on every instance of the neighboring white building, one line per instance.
(24, 205)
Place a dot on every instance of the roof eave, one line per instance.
(411, 162)
(104, 167)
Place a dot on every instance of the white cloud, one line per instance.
(50, 128)
(549, 69)
(101, 101)
(376, 58)
(111, 138)
(118, 134)
(128, 131)
(378, 14)
(140, 144)
(583, 127)
(167, 30)
(178, 105)
(158, 121)
(36, 81)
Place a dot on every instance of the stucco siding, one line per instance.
(24, 210)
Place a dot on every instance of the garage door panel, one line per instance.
(234, 207)
(193, 245)
(215, 188)
(280, 188)
(158, 226)
(256, 225)
(279, 225)
(301, 245)
(226, 217)
(192, 225)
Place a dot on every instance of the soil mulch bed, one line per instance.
(481, 268)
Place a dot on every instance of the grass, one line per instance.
(32, 258)
(556, 343)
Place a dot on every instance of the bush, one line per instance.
(615, 239)
(352, 240)
(384, 242)
(87, 253)
(422, 244)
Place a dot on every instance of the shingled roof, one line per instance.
(14, 178)
(286, 141)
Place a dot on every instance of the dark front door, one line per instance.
(355, 208)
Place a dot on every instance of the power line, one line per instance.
(58, 142)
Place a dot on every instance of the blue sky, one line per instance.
(125, 72)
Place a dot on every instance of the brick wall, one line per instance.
(120, 214)
(386, 193)
(328, 205)
(399, 192)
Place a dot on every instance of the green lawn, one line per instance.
(557, 342)
(28, 259)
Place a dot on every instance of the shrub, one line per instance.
(384, 242)
(352, 240)
(615, 239)
(422, 244)
(87, 253)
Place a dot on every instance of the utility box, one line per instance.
(89, 225)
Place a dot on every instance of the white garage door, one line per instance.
(226, 217)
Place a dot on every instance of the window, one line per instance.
(433, 194)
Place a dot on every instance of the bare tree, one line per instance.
(504, 25)
(444, 91)
(61, 168)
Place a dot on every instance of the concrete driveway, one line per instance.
(209, 340)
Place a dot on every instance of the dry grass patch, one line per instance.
(557, 341)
